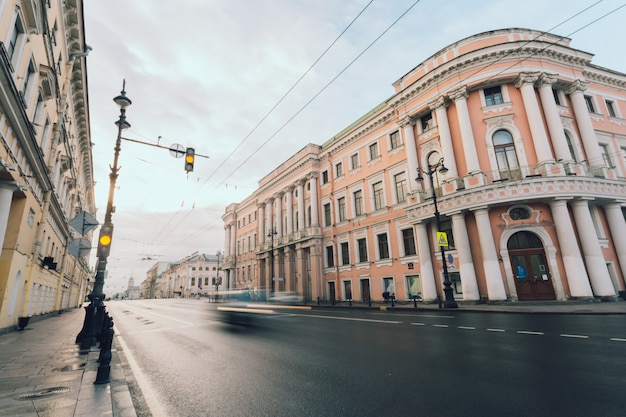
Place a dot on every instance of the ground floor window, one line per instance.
(414, 286)
(347, 289)
(455, 279)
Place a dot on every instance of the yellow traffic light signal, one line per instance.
(105, 239)
(190, 158)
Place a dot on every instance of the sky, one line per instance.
(214, 75)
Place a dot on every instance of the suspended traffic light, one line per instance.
(190, 157)
(104, 241)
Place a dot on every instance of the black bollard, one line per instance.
(414, 301)
(104, 369)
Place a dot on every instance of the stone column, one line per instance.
(594, 259)
(278, 214)
(314, 202)
(300, 190)
(6, 196)
(262, 231)
(439, 107)
(466, 264)
(269, 209)
(551, 113)
(575, 270)
(459, 97)
(617, 226)
(408, 124)
(289, 210)
(525, 82)
(493, 273)
(429, 287)
(587, 132)
(233, 239)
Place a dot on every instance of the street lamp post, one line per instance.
(271, 233)
(449, 301)
(96, 309)
(217, 279)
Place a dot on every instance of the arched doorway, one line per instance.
(530, 269)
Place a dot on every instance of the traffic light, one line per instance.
(190, 157)
(104, 241)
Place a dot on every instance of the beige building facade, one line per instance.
(533, 138)
(46, 169)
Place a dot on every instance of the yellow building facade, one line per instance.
(46, 169)
(532, 136)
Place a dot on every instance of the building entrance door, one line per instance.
(528, 260)
(365, 290)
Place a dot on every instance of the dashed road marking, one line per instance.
(418, 324)
(529, 332)
(617, 339)
(496, 330)
(440, 325)
(467, 327)
(574, 336)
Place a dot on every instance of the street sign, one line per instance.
(84, 222)
(177, 150)
(442, 239)
(79, 247)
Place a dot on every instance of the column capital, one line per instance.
(440, 102)
(406, 121)
(313, 176)
(546, 79)
(261, 205)
(577, 86)
(526, 78)
(459, 94)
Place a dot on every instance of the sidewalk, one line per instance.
(43, 373)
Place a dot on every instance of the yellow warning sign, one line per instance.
(442, 239)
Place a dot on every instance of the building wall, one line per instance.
(533, 137)
(46, 170)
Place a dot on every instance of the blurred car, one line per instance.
(286, 297)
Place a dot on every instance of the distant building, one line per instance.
(133, 292)
(533, 137)
(154, 280)
(198, 274)
(46, 167)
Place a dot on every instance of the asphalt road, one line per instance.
(344, 362)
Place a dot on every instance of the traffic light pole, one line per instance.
(92, 327)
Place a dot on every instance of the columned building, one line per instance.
(533, 139)
(46, 169)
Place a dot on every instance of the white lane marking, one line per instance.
(348, 318)
(617, 339)
(529, 332)
(440, 325)
(418, 324)
(142, 382)
(467, 327)
(496, 330)
(574, 336)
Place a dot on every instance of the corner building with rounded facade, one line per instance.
(533, 137)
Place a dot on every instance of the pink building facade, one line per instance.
(533, 137)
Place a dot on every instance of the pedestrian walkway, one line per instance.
(43, 373)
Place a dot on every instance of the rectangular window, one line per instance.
(610, 106)
(400, 181)
(408, 240)
(414, 286)
(341, 202)
(427, 121)
(589, 103)
(383, 246)
(18, 31)
(354, 161)
(493, 96)
(330, 258)
(394, 140)
(345, 253)
(358, 203)
(324, 177)
(606, 155)
(446, 226)
(339, 170)
(327, 219)
(557, 98)
(362, 244)
(374, 151)
(379, 198)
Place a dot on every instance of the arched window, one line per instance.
(433, 161)
(505, 154)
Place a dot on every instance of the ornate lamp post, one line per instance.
(449, 301)
(271, 233)
(96, 309)
(218, 281)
